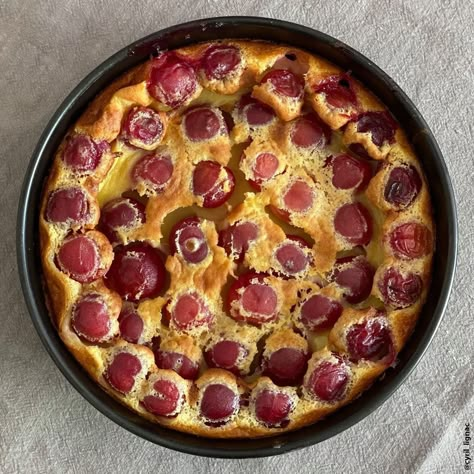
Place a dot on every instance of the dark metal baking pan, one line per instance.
(293, 35)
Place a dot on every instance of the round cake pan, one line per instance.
(280, 32)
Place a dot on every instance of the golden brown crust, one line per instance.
(103, 121)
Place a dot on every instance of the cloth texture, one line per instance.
(47, 47)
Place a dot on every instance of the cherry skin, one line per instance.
(292, 258)
(286, 366)
(354, 223)
(120, 214)
(329, 380)
(131, 325)
(190, 311)
(166, 400)
(213, 182)
(339, 91)
(67, 205)
(154, 171)
(380, 125)
(181, 364)
(122, 371)
(264, 168)
(91, 319)
(226, 354)
(355, 275)
(143, 127)
(410, 240)
(370, 340)
(403, 186)
(285, 83)
(299, 197)
(202, 123)
(272, 408)
(350, 173)
(137, 272)
(256, 113)
(237, 238)
(218, 403)
(220, 61)
(309, 132)
(82, 154)
(257, 302)
(172, 80)
(400, 291)
(79, 258)
(189, 240)
(320, 312)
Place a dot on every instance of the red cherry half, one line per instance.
(172, 80)
(252, 300)
(165, 401)
(137, 272)
(213, 182)
(122, 371)
(90, 318)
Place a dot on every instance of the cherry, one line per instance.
(218, 403)
(79, 258)
(309, 132)
(285, 83)
(188, 240)
(264, 168)
(120, 214)
(237, 238)
(220, 60)
(329, 380)
(81, 154)
(190, 311)
(90, 318)
(319, 312)
(122, 371)
(137, 272)
(350, 173)
(292, 258)
(256, 113)
(410, 240)
(298, 197)
(400, 291)
(339, 91)
(177, 362)
(370, 340)
(286, 366)
(272, 408)
(202, 123)
(131, 325)
(380, 125)
(166, 400)
(172, 80)
(67, 205)
(354, 223)
(403, 186)
(250, 294)
(154, 171)
(143, 127)
(213, 182)
(355, 275)
(226, 354)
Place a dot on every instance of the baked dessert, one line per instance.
(236, 239)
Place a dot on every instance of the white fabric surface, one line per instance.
(47, 47)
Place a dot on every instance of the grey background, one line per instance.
(47, 47)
